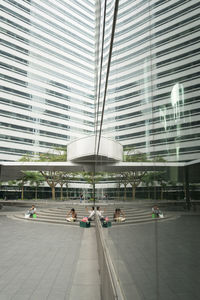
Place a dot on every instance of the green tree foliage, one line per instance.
(123, 180)
(64, 179)
(26, 158)
(132, 155)
(27, 177)
(52, 178)
(133, 177)
(56, 154)
(161, 178)
(36, 179)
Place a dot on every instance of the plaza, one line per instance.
(152, 260)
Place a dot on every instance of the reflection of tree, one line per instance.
(161, 178)
(92, 178)
(133, 177)
(148, 180)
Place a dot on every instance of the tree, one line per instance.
(151, 177)
(27, 176)
(64, 179)
(92, 178)
(53, 177)
(26, 157)
(134, 177)
(56, 154)
(148, 180)
(124, 181)
(35, 180)
(161, 178)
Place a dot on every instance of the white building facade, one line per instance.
(47, 62)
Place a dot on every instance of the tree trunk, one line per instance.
(36, 193)
(53, 191)
(61, 192)
(94, 192)
(161, 194)
(124, 192)
(133, 192)
(22, 194)
(118, 192)
(148, 193)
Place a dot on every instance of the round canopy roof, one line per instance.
(84, 150)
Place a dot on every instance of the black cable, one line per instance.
(101, 63)
(108, 69)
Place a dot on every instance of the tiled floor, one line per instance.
(159, 261)
(43, 261)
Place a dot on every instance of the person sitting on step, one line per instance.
(119, 215)
(30, 212)
(73, 214)
(100, 213)
(91, 213)
(156, 211)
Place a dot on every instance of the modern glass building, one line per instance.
(152, 102)
(129, 70)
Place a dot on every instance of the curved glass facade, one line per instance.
(153, 89)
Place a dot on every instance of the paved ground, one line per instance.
(154, 261)
(44, 261)
(158, 261)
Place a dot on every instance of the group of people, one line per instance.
(119, 215)
(72, 215)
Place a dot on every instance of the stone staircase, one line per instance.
(57, 215)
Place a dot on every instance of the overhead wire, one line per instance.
(100, 73)
(108, 70)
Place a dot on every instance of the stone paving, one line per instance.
(43, 261)
(159, 261)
